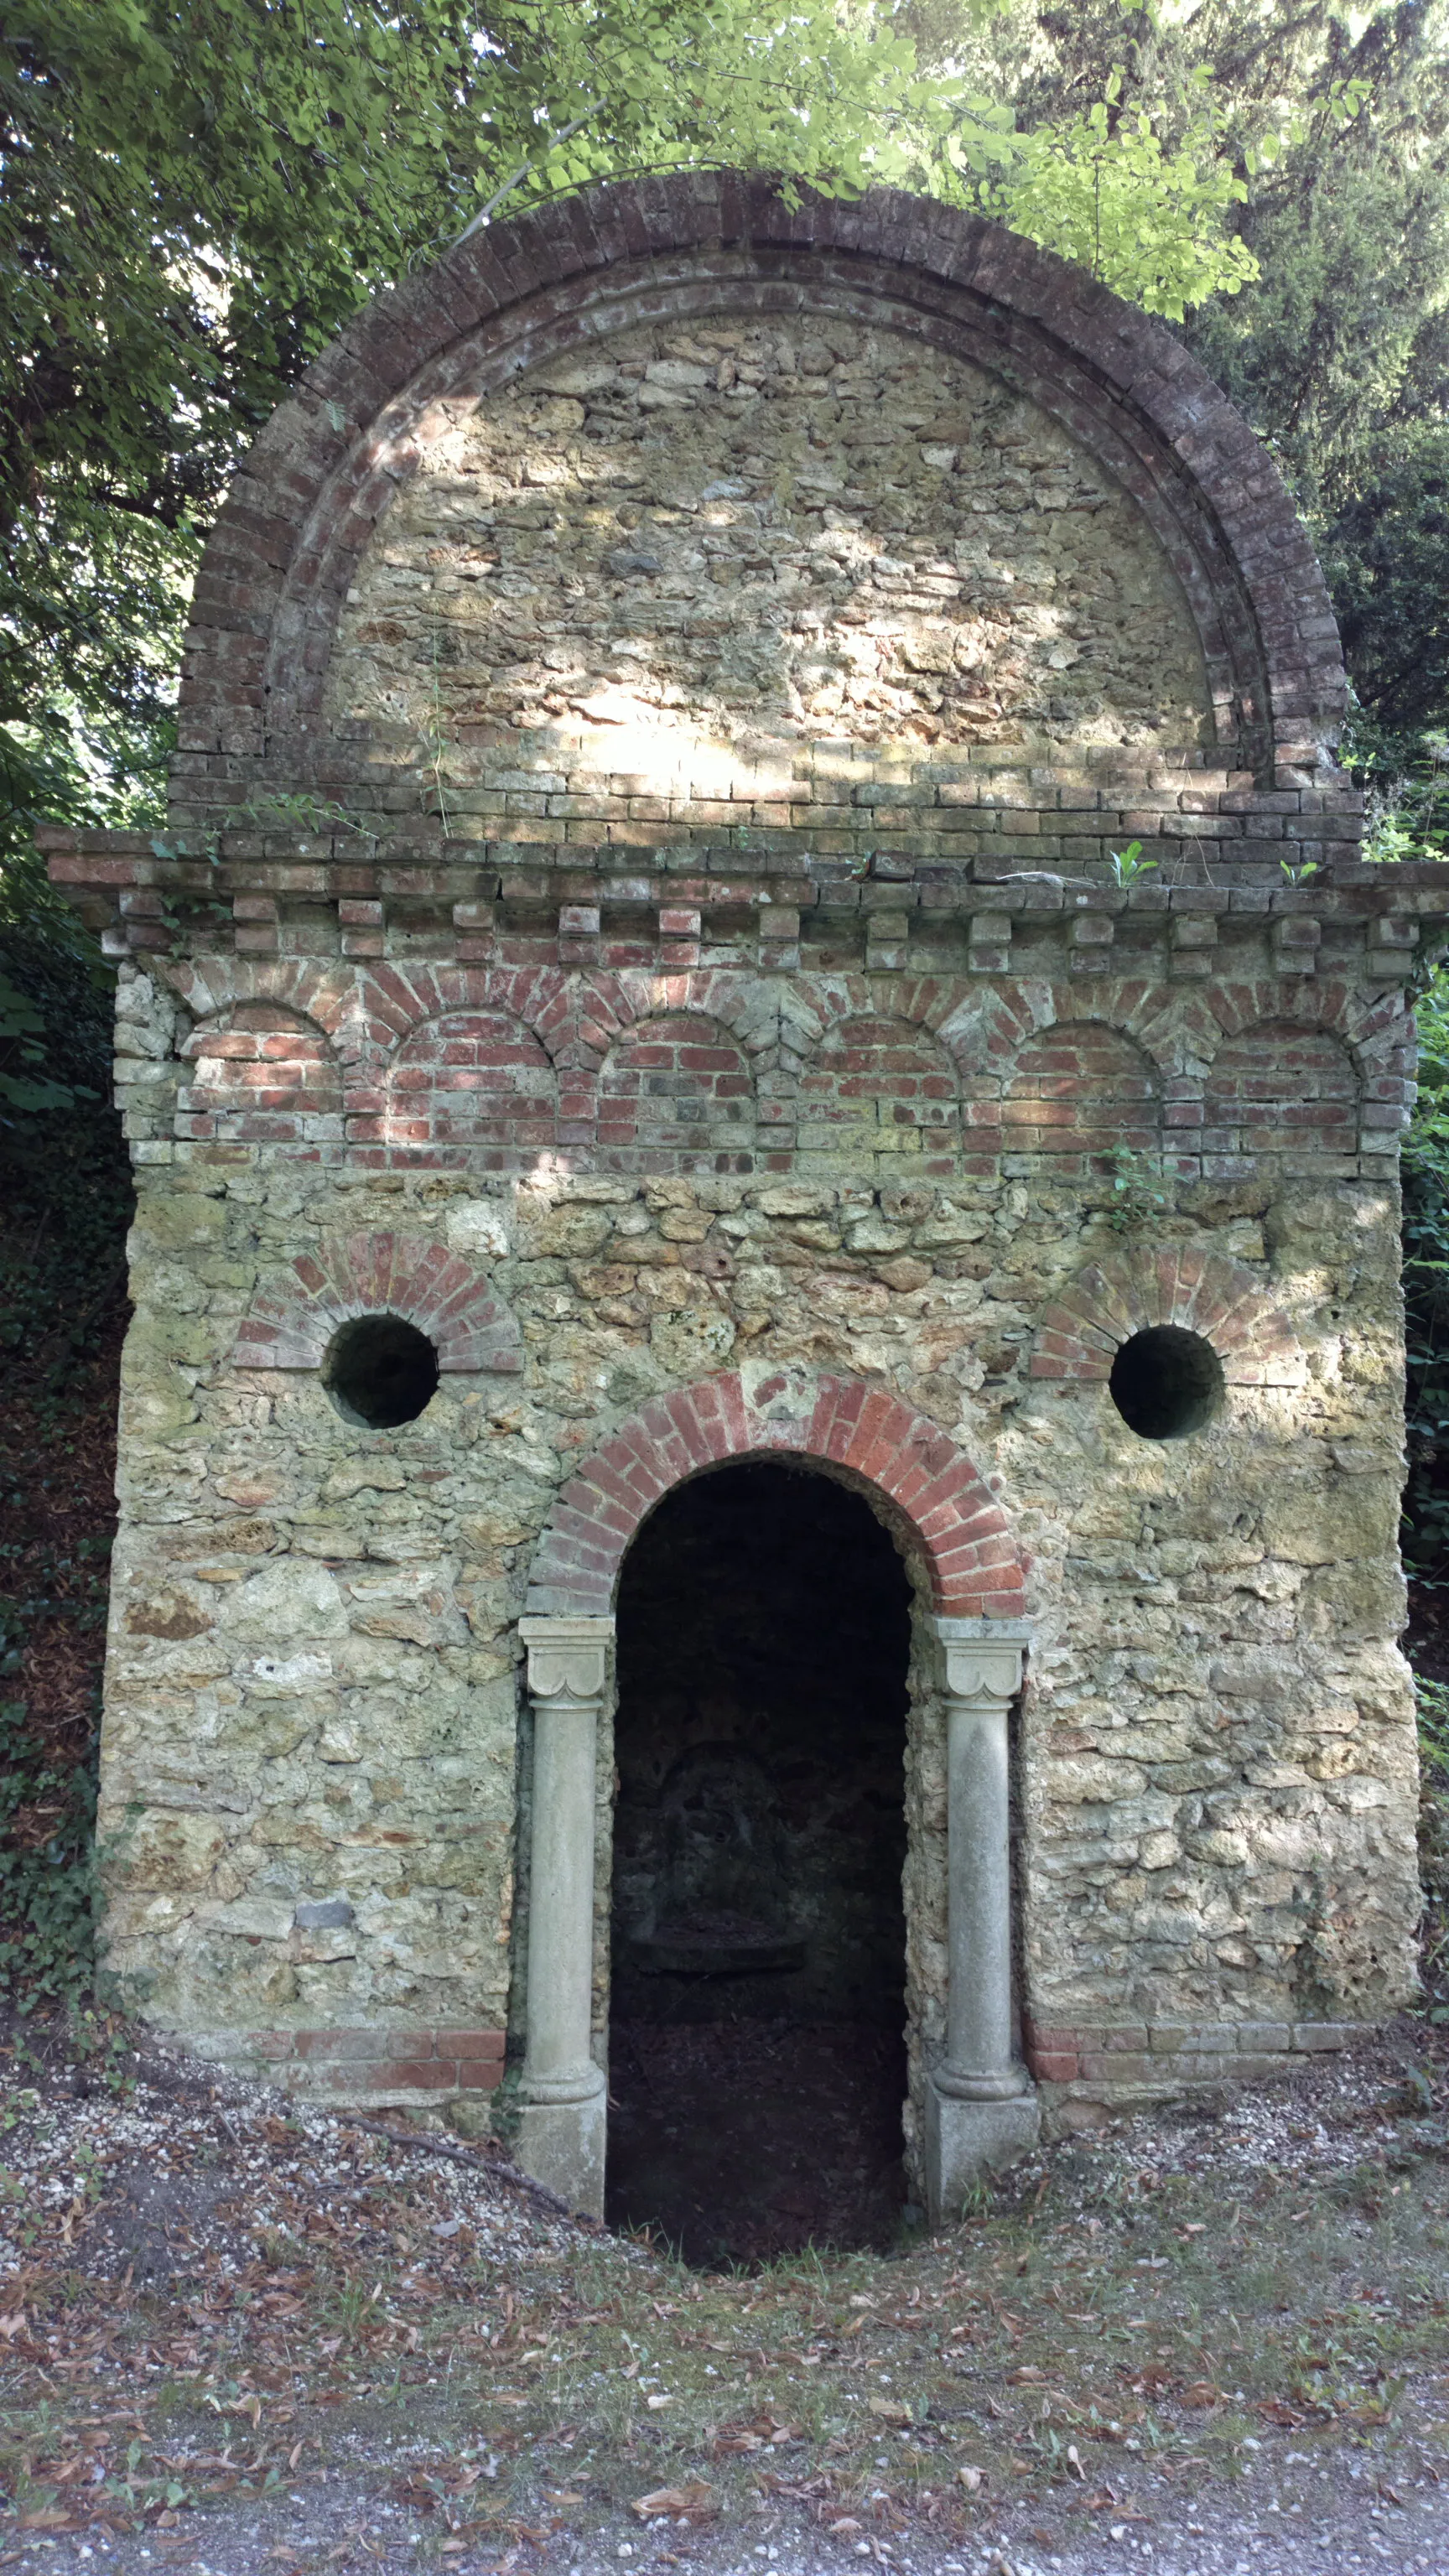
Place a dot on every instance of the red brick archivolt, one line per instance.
(1081, 1333)
(857, 1431)
(289, 1327)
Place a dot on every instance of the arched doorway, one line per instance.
(971, 2103)
(757, 2037)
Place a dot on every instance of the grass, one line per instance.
(1104, 2329)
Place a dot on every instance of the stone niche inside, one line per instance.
(757, 2038)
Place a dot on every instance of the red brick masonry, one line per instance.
(976, 1571)
(1167, 2054)
(380, 2059)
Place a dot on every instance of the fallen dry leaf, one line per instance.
(889, 2409)
(1201, 2393)
(695, 2499)
(972, 2479)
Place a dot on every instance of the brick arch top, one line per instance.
(304, 505)
(975, 1568)
(1081, 1333)
(290, 1326)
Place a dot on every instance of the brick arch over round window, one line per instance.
(1143, 1286)
(289, 1325)
(261, 1074)
(882, 1094)
(1079, 1091)
(472, 1087)
(676, 1094)
(857, 1431)
(1280, 1089)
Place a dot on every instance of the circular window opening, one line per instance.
(380, 1371)
(1166, 1382)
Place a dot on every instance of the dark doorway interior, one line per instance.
(757, 2050)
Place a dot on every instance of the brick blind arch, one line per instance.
(1079, 1091)
(261, 1074)
(676, 1094)
(1280, 1088)
(471, 1087)
(281, 557)
(883, 1094)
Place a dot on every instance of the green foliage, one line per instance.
(1143, 215)
(1337, 348)
(1406, 784)
(1129, 864)
(46, 1944)
(1426, 1297)
(1141, 1191)
(1433, 1700)
(66, 1190)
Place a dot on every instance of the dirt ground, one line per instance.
(242, 2338)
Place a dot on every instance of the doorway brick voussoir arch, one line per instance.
(975, 1568)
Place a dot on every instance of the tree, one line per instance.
(1336, 124)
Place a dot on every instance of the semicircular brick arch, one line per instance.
(860, 1431)
(1082, 1331)
(304, 504)
(398, 1000)
(326, 994)
(290, 1326)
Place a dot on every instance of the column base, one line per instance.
(562, 2145)
(967, 2141)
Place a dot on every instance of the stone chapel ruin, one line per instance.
(663, 1094)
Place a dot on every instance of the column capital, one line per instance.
(567, 1658)
(984, 1657)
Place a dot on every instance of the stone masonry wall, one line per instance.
(312, 1693)
(748, 525)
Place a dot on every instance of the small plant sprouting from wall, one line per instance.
(1140, 1190)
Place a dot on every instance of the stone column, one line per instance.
(980, 2108)
(561, 2134)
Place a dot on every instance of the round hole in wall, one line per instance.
(1166, 1382)
(379, 1371)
